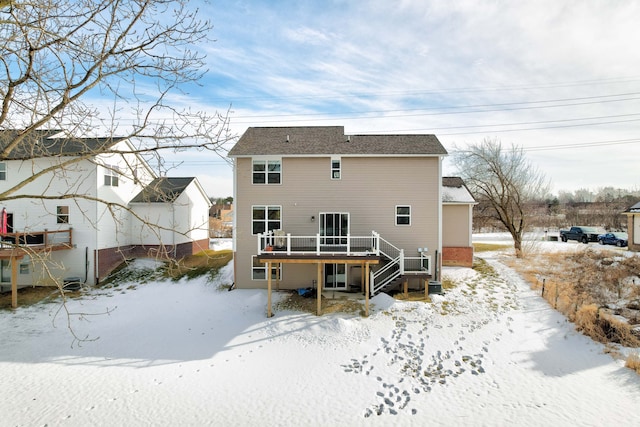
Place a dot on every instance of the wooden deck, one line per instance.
(15, 246)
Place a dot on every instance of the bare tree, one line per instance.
(61, 59)
(505, 180)
(75, 69)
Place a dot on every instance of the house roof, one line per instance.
(44, 143)
(633, 209)
(162, 190)
(454, 190)
(331, 140)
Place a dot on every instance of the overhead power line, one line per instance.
(432, 111)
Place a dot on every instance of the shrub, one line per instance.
(603, 327)
(633, 362)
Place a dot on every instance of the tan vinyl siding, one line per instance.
(369, 190)
(455, 225)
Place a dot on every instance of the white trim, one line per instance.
(267, 160)
(266, 219)
(333, 170)
(264, 267)
(396, 215)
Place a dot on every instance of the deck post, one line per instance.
(426, 289)
(269, 314)
(366, 286)
(14, 282)
(406, 288)
(319, 291)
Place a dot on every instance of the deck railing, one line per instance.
(397, 264)
(281, 243)
(47, 239)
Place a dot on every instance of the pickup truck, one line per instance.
(581, 234)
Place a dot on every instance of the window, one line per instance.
(265, 218)
(3, 171)
(62, 214)
(259, 270)
(111, 176)
(24, 268)
(335, 168)
(403, 215)
(267, 171)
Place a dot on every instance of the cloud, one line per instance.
(529, 73)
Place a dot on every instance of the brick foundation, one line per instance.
(110, 258)
(457, 256)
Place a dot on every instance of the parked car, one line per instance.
(581, 234)
(618, 239)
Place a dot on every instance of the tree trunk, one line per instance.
(517, 245)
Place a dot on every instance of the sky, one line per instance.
(489, 352)
(559, 78)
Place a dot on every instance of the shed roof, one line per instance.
(163, 190)
(454, 190)
(331, 140)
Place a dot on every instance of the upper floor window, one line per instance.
(3, 171)
(62, 214)
(335, 168)
(403, 215)
(265, 218)
(267, 171)
(111, 174)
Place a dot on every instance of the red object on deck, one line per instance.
(3, 224)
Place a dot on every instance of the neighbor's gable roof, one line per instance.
(44, 143)
(454, 190)
(331, 140)
(633, 209)
(162, 190)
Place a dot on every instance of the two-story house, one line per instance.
(74, 208)
(633, 227)
(316, 207)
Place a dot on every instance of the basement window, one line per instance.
(259, 270)
(3, 171)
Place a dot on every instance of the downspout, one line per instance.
(86, 264)
(174, 226)
(438, 263)
(96, 256)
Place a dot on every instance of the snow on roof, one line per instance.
(454, 191)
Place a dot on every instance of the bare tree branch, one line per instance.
(505, 180)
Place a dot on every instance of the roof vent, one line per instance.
(348, 138)
(287, 138)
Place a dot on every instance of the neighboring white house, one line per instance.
(174, 211)
(79, 205)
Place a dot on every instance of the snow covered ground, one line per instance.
(490, 352)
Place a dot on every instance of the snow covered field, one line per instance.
(490, 352)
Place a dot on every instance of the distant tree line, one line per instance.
(602, 208)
